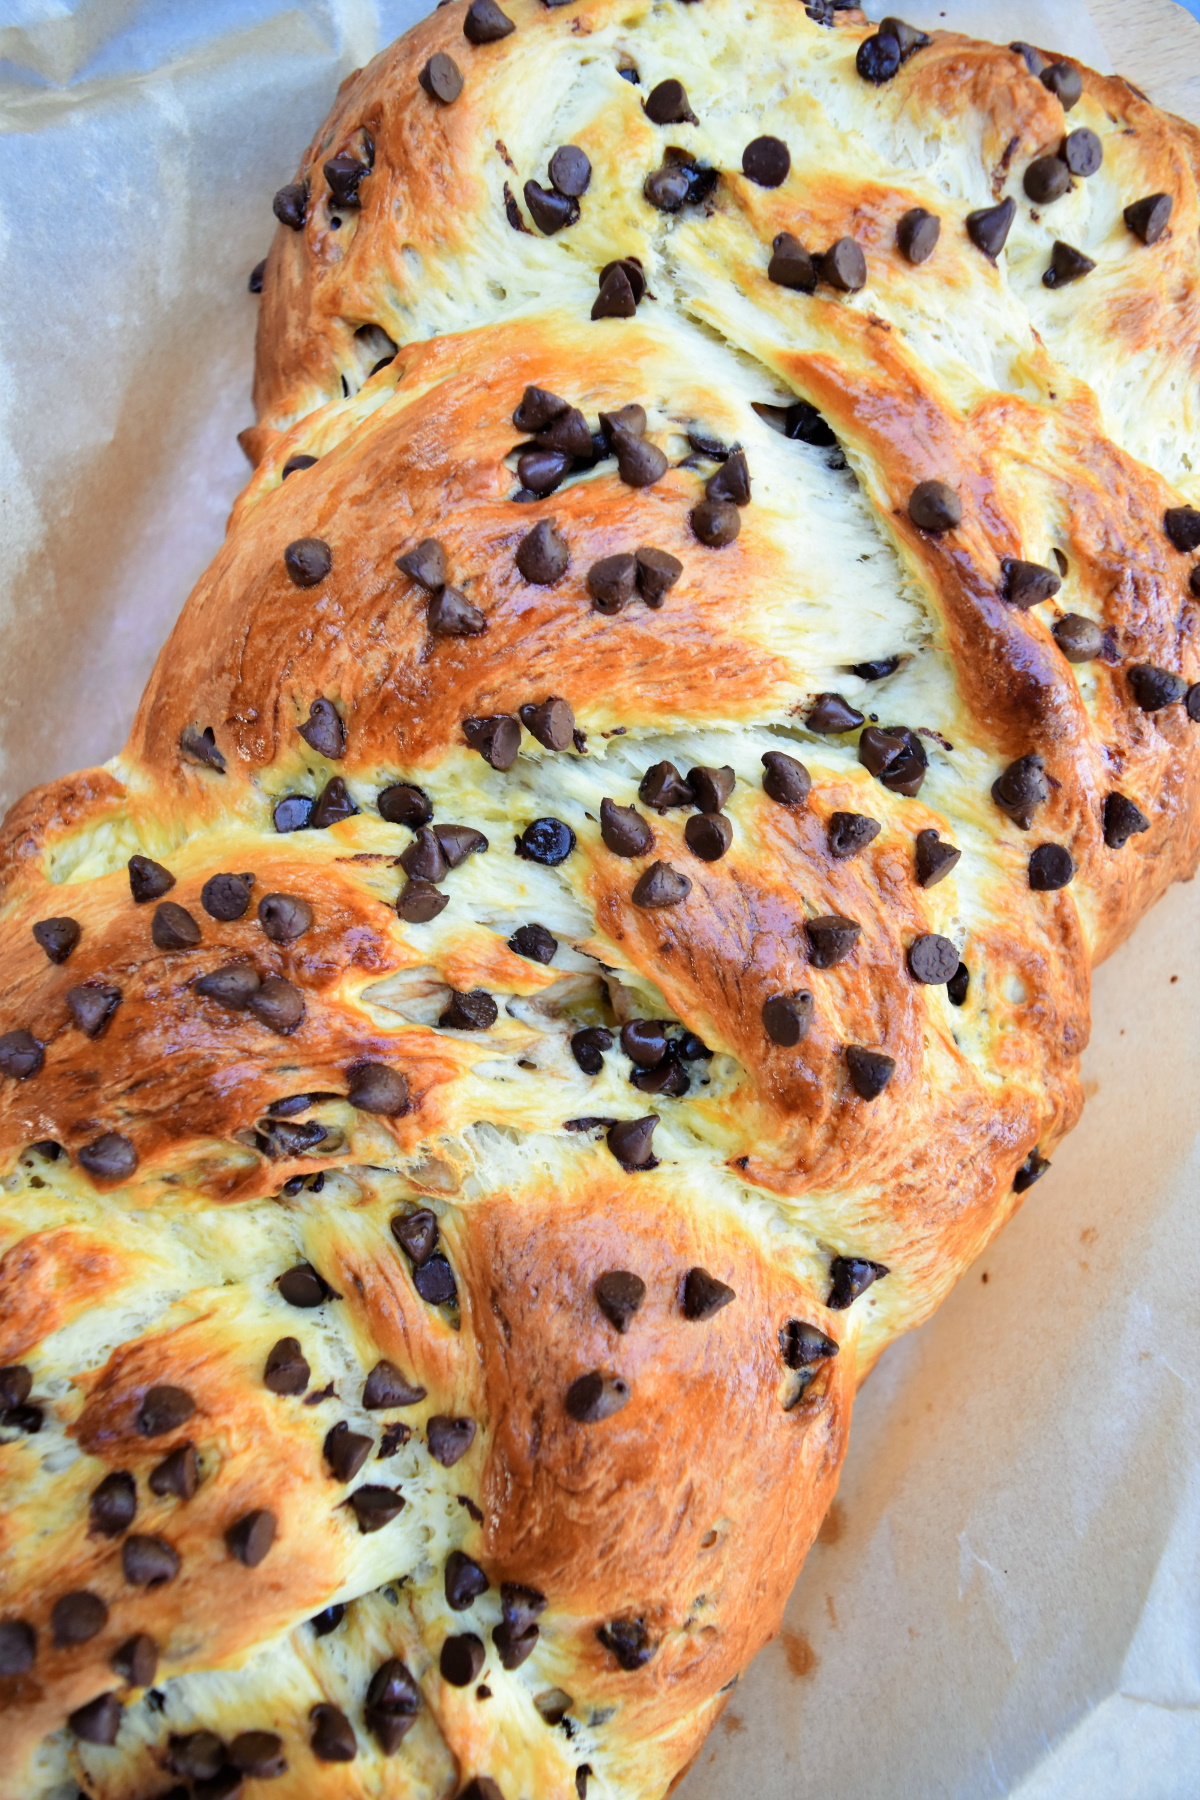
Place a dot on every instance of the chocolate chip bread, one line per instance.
(590, 934)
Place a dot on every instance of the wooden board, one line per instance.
(1157, 45)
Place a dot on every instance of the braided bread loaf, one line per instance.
(590, 934)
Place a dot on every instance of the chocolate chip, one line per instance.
(226, 897)
(332, 1738)
(426, 563)
(465, 1581)
(660, 885)
(619, 1294)
(346, 1451)
(1064, 82)
(323, 731)
(667, 188)
(423, 860)
(461, 1659)
(875, 671)
(710, 787)
(1027, 584)
(1050, 867)
(92, 1006)
(99, 1721)
(1154, 688)
(173, 927)
(302, 1286)
(667, 104)
(611, 581)
(21, 1055)
(550, 210)
(542, 555)
(449, 1439)
(293, 813)
(1149, 218)
(851, 1276)
(534, 943)
(1082, 152)
(988, 228)
(639, 463)
(1021, 789)
(628, 1641)
(148, 1562)
(551, 722)
(1122, 819)
(935, 859)
(258, 1754)
(623, 830)
(308, 561)
(657, 573)
(787, 1018)
(57, 937)
(419, 901)
(18, 1646)
(791, 266)
(1066, 265)
(441, 78)
(457, 842)
(917, 233)
(1079, 639)
(1182, 526)
(136, 1660)
(485, 23)
(250, 1538)
(588, 1046)
(801, 1344)
(582, 1776)
(177, 1476)
(849, 833)
(290, 205)
(231, 986)
(386, 1387)
(956, 987)
(393, 1700)
(570, 170)
(77, 1618)
(594, 1397)
(255, 283)
(831, 938)
(540, 471)
(287, 1371)
(878, 58)
(934, 506)
(708, 836)
(631, 1142)
(844, 266)
(112, 1506)
(704, 1295)
(416, 1233)
(110, 1157)
(547, 841)
(644, 1042)
(474, 1011)
(16, 1384)
(295, 465)
(766, 161)
(344, 173)
(1031, 1170)
(786, 781)
(200, 747)
(332, 805)
(731, 481)
(1047, 179)
(831, 714)
(870, 1070)
(616, 299)
(376, 1087)
(670, 1077)
(662, 786)
(148, 880)
(538, 408)
(284, 917)
(403, 804)
(198, 1755)
(164, 1409)
(715, 522)
(434, 1281)
(932, 959)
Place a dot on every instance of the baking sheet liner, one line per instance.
(1006, 1597)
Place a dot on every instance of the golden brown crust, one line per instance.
(664, 1534)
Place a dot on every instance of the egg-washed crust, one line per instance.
(266, 1213)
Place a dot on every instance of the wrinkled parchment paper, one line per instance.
(1006, 1598)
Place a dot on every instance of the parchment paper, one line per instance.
(1006, 1598)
